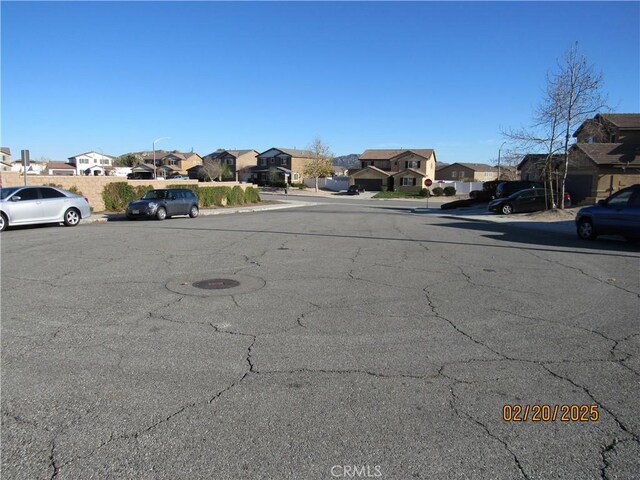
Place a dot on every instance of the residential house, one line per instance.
(60, 168)
(166, 164)
(398, 169)
(605, 157)
(281, 165)
(239, 162)
(34, 167)
(467, 172)
(92, 163)
(5, 159)
(534, 166)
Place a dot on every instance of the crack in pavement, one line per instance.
(342, 372)
(460, 414)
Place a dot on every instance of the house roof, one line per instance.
(412, 170)
(5, 150)
(610, 153)
(622, 120)
(60, 166)
(537, 158)
(374, 154)
(369, 167)
(93, 151)
(476, 167)
(296, 153)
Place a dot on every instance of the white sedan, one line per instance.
(39, 204)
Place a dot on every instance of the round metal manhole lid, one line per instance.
(216, 283)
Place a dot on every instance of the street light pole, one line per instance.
(155, 169)
(499, 151)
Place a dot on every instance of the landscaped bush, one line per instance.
(301, 186)
(251, 195)
(279, 184)
(116, 196)
(449, 191)
(384, 188)
(140, 190)
(235, 196)
(438, 191)
(424, 192)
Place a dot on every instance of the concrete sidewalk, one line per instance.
(561, 222)
(104, 217)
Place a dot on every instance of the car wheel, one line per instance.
(506, 209)
(161, 214)
(193, 213)
(71, 217)
(3, 222)
(585, 230)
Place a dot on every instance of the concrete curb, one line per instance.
(118, 217)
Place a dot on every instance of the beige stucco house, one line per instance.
(239, 162)
(394, 170)
(467, 172)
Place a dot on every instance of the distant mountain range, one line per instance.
(347, 161)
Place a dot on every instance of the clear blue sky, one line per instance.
(114, 76)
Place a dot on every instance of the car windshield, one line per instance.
(155, 195)
(5, 192)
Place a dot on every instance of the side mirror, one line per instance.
(602, 203)
(16, 198)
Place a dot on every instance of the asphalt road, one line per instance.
(361, 341)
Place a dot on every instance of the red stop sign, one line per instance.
(428, 182)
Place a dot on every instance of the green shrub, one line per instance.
(251, 195)
(235, 196)
(220, 195)
(116, 196)
(449, 191)
(140, 190)
(438, 191)
(424, 192)
(384, 189)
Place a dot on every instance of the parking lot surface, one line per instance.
(328, 341)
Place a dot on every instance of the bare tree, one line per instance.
(580, 97)
(321, 164)
(214, 169)
(571, 95)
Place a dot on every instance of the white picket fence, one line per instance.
(462, 188)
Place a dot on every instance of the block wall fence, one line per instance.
(91, 187)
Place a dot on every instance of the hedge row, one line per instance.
(117, 195)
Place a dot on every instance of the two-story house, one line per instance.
(238, 162)
(399, 169)
(281, 165)
(5, 159)
(91, 163)
(605, 157)
(467, 172)
(166, 165)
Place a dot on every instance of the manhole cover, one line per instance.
(216, 283)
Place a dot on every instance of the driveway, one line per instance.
(318, 342)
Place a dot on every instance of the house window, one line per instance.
(229, 161)
(367, 163)
(295, 177)
(283, 162)
(84, 161)
(461, 174)
(408, 182)
(613, 138)
(263, 162)
(412, 164)
(454, 174)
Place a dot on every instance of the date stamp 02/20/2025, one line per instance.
(550, 413)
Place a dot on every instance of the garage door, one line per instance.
(369, 184)
(579, 186)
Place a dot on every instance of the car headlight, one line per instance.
(152, 204)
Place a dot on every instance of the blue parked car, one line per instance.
(617, 215)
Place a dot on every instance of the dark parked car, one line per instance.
(41, 204)
(164, 203)
(504, 189)
(487, 193)
(617, 215)
(355, 190)
(529, 200)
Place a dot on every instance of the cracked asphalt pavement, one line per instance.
(368, 336)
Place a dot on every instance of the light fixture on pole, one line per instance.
(499, 151)
(155, 170)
